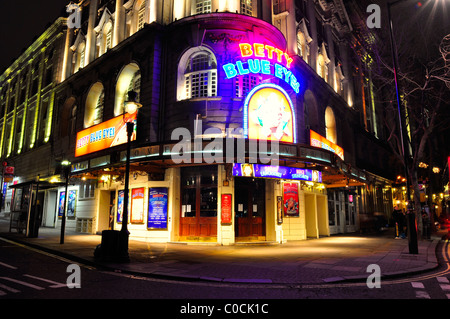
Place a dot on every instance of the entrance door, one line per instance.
(198, 202)
(250, 208)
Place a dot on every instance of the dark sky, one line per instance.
(23, 20)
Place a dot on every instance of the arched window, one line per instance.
(128, 80)
(330, 125)
(93, 111)
(197, 74)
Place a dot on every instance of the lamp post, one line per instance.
(66, 166)
(131, 106)
(411, 218)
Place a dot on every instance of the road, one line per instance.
(28, 273)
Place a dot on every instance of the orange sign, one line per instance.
(104, 135)
(320, 141)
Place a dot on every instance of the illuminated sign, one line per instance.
(269, 114)
(259, 58)
(283, 172)
(321, 142)
(104, 135)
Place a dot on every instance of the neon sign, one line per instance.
(259, 58)
(283, 172)
(269, 114)
(320, 141)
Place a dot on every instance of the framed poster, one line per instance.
(71, 204)
(280, 209)
(290, 200)
(137, 206)
(157, 208)
(62, 197)
(226, 211)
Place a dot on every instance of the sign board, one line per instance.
(321, 142)
(104, 135)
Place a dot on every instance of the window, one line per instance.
(200, 75)
(43, 120)
(98, 112)
(246, 83)
(246, 7)
(30, 127)
(93, 112)
(203, 6)
(330, 125)
(279, 6)
(141, 15)
(73, 121)
(87, 189)
(18, 135)
(108, 36)
(322, 62)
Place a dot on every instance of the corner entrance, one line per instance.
(250, 209)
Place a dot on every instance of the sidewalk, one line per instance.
(316, 261)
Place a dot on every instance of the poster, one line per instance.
(290, 200)
(137, 205)
(157, 208)
(280, 209)
(226, 209)
(71, 204)
(120, 206)
(62, 197)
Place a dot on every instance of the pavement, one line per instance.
(334, 259)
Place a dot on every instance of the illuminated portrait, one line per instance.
(269, 114)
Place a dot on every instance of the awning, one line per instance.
(42, 184)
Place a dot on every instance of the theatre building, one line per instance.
(255, 123)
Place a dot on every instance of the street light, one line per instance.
(131, 106)
(412, 231)
(66, 168)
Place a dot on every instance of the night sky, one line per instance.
(23, 20)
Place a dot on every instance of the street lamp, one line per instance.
(131, 106)
(66, 168)
(412, 231)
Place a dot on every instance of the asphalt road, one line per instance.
(28, 273)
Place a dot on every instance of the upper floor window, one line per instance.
(198, 72)
(203, 6)
(330, 125)
(93, 112)
(246, 7)
(141, 15)
(279, 6)
(245, 84)
(322, 62)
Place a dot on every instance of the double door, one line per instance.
(249, 208)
